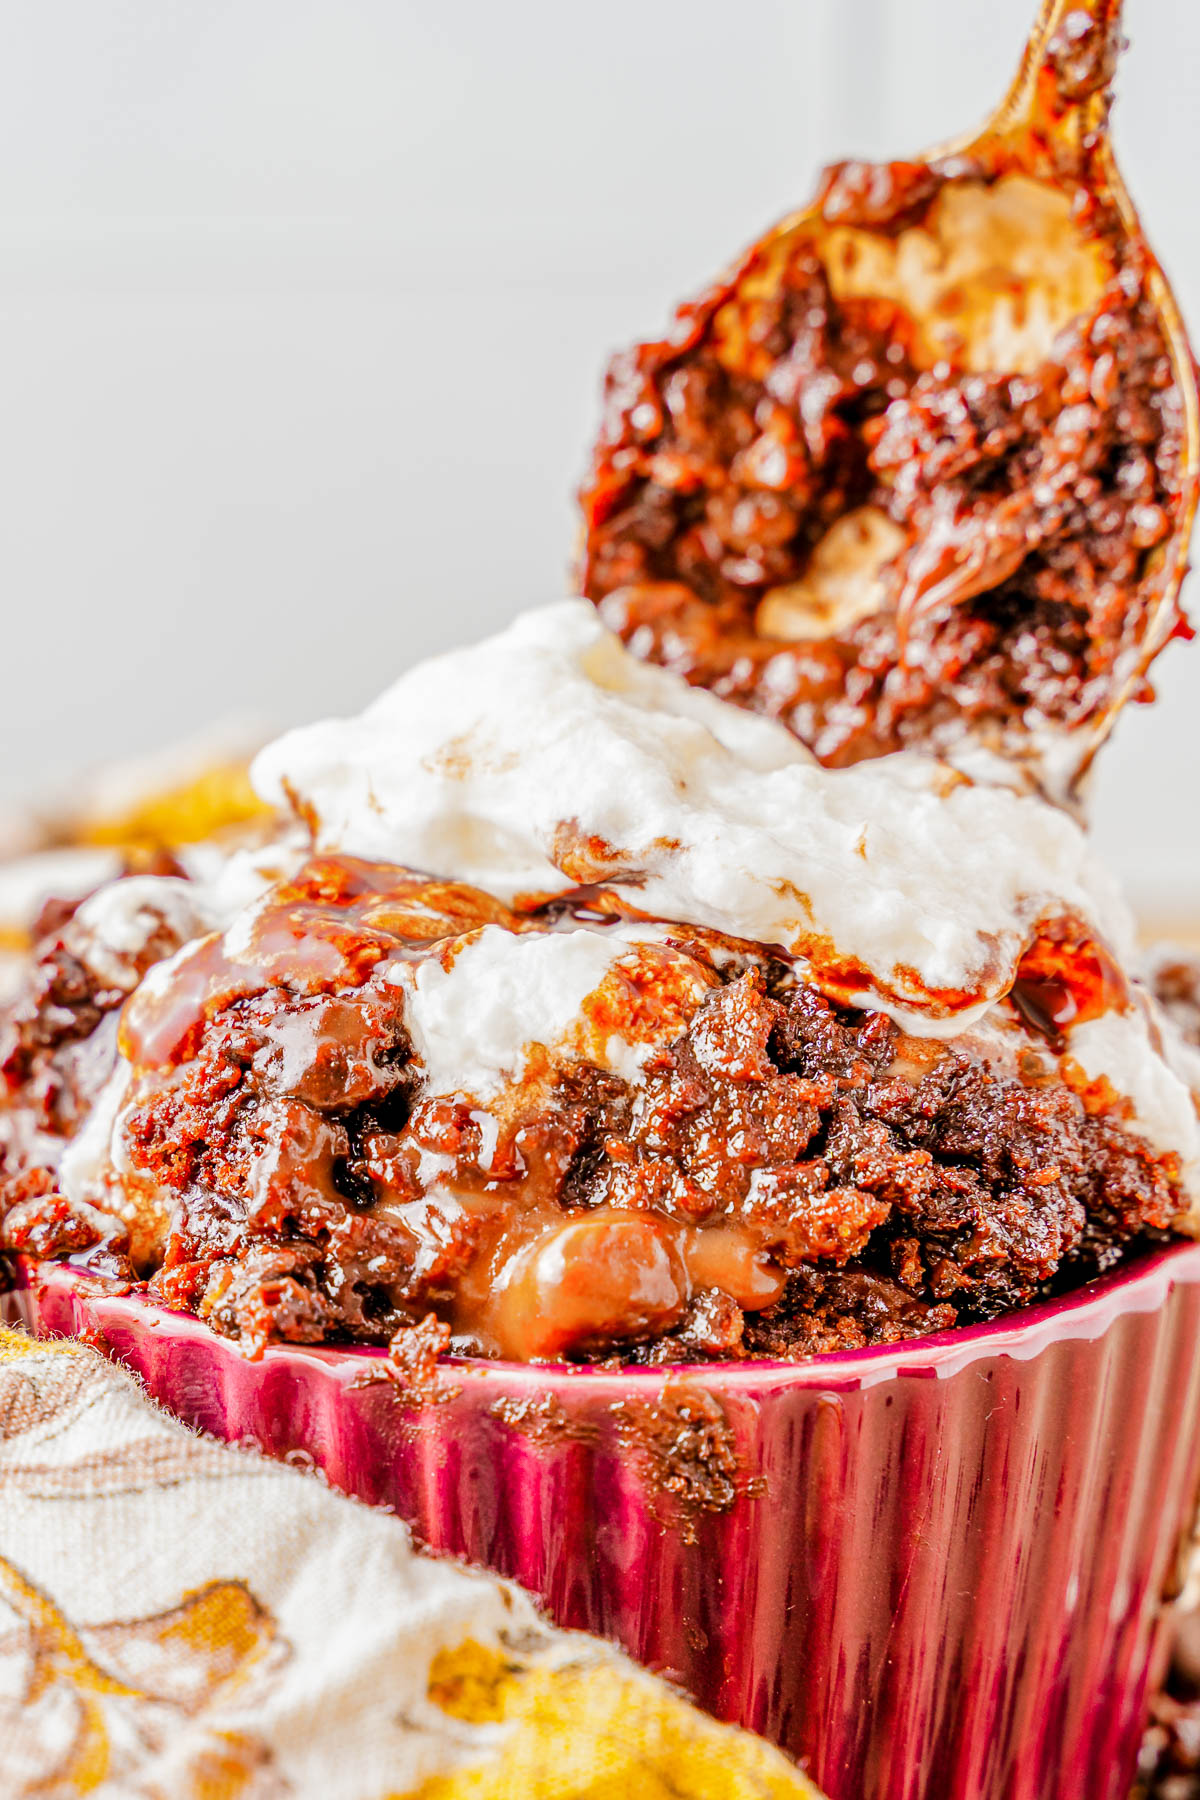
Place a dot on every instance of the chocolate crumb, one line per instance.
(686, 1449)
(544, 1420)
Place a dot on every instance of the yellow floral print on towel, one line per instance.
(182, 1621)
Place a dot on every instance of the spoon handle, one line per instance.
(1064, 81)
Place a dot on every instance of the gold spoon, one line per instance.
(922, 468)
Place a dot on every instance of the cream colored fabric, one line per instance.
(185, 1621)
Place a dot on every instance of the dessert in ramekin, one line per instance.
(691, 1048)
(750, 1198)
(551, 1108)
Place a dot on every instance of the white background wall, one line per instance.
(304, 303)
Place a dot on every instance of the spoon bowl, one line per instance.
(921, 470)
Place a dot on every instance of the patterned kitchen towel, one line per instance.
(183, 1621)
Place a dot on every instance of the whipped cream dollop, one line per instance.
(548, 757)
(609, 997)
(116, 928)
(1141, 1054)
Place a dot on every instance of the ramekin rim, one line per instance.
(1137, 1286)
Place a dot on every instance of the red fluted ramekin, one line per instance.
(933, 1572)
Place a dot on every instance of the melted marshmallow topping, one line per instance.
(548, 757)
